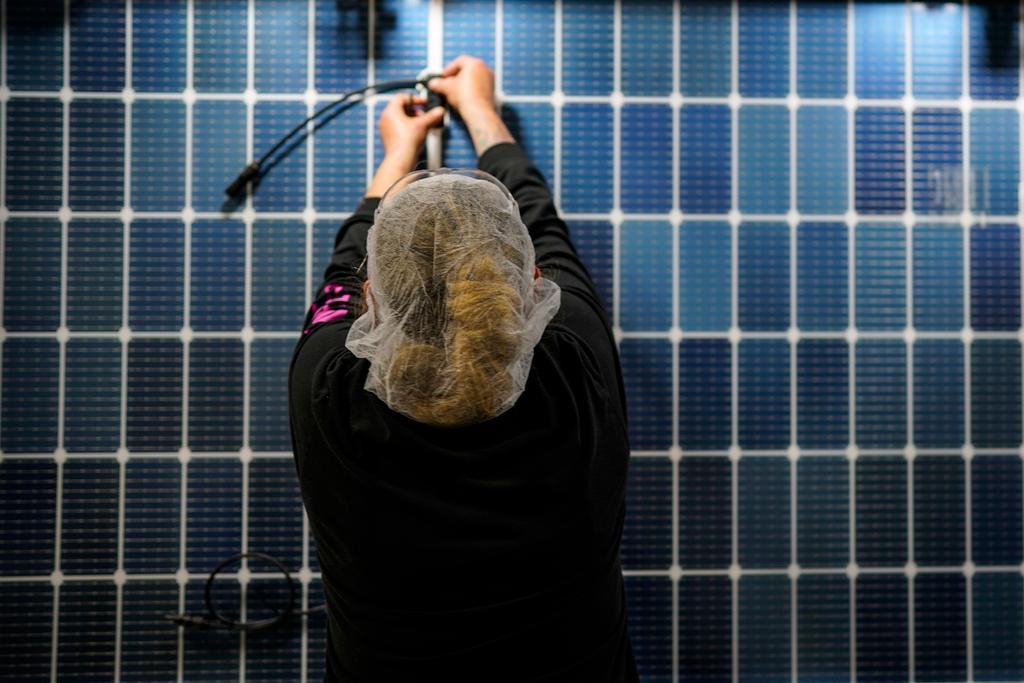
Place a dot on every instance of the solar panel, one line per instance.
(804, 219)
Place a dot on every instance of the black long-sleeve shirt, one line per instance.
(488, 552)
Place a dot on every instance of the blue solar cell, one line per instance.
(215, 395)
(220, 46)
(881, 276)
(705, 629)
(995, 157)
(31, 282)
(996, 510)
(587, 46)
(158, 156)
(400, 39)
(705, 393)
(28, 515)
(33, 155)
(705, 48)
(528, 39)
(995, 393)
(705, 155)
(86, 632)
(764, 276)
(97, 45)
(821, 44)
(823, 628)
(152, 499)
(268, 404)
(994, 64)
(212, 654)
(30, 395)
(937, 59)
(282, 187)
(822, 393)
(646, 52)
(940, 627)
(586, 157)
(880, 176)
(89, 516)
(645, 276)
(218, 151)
(998, 627)
(158, 46)
(96, 155)
(218, 275)
(649, 604)
(278, 271)
(339, 162)
(647, 373)
(26, 627)
(95, 253)
(764, 393)
(705, 276)
(156, 287)
(938, 393)
(881, 511)
(647, 531)
(881, 628)
(593, 240)
(646, 159)
(705, 512)
(995, 277)
(275, 510)
(532, 124)
(341, 35)
(149, 650)
(280, 46)
(154, 395)
(821, 276)
(764, 508)
(214, 521)
(938, 161)
(764, 628)
(938, 277)
(879, 31)
(939, 510)
(271, 657)
(464, 34)
(763, 49)
(764, 159)
(881, 402)
(821, 160)
(823, 516)
(316, 625)
(92, 395)
(35, 48)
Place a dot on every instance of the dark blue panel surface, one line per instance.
(705, 276)
(214, 524)
(35, 47)
(821, 49)
(646, 48)
(881, 628)
(280, 46)
(97, 45)
(705, 393)
(215, 395)
(218, 151)
(33, 155)
(764, 631)
(996, 510)
(995, 277)
(764, 393)
(30, 395)
(532, 125)
(881, 511)
(92, 395)
(646, 158)
(880, 175)
(939, 511)
(647, 533)
(282, 188)
(271, 657)
(705, 512)
(881, 401)
(879, 31)
(822, 276)
(940, 627)
(339, 162)
(822, 393)
(764, 276)
(26, 628)
(587, 157)
(31, 282)
(89, 517)
(937, 46)
(938, 393)
(938, 277)
(938, 161)
(220, 46)
(149, 650)
(587, 46)
(278, 258)
(705, 47)
(96, 156)
(998, 627)
(593, 241)
(764, 159)
(212, 653)
(821, 177)
(647, 373)
(151, 515)
(764, 508)
(994, 65)
(705, 148)
(823, 628)
(95, 252)
(881, 276)
(158, 46)
(649, 603)
(463, 30)
(275, 510)
(705, 629)
(764, 48)
(528, 39)
(823, 512)
(995, 161)
(645, 276)
(995, 393)
(268, 405)
(158, 156)
(400, 39)
(86, 631)
(340, 44)
(154, 395)
(156, 287)
(218, 275)
(28, 515)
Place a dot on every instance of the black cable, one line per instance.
(252, 171)
(213, 619)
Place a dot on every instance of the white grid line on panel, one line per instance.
(734, 338)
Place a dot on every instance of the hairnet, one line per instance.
(454, 311)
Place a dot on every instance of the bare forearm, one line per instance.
(391, 168)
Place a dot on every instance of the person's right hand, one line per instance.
(468, 84)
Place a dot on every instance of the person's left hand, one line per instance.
(404, 126)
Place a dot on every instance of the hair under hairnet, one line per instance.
(454, 310)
